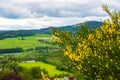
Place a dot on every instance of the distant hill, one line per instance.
(70, 27)
(22, 33)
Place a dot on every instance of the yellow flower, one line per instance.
(111, 60)
(98, 34)
(107, 21)
(44, 77)
(106, 65)
(66, 53)
(90, 37)
(110, 48)
(99, 57)
(85, 47)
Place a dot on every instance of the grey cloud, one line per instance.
(35, 14)
(77, 8)
(55, 8)
(11, 11)
(38, 23)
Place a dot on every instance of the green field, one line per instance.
(29, 42)
(50, 68)
(32, 42)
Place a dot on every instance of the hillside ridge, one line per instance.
(22, 33)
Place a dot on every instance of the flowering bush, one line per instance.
(94, 52)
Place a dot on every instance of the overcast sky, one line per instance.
(36, 14)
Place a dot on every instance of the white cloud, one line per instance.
(55, 8)
(38, 23)
(30, 14)
(11, 11)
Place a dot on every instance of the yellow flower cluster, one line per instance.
(78, 55)
(109, 29)
(90, 37)
(103, 42)
(98, 34)
(97, 50)
(44, 77)
(103, 45)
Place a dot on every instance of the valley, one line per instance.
(38, 51)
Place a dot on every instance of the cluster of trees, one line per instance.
(10, 69)
(43, 50)
(94, 52)
(11, 50)
(18, 33)
(46, 49)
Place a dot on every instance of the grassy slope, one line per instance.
(29, 42)
(50, 68)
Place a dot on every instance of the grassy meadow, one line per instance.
(50, 68)
(28, 42)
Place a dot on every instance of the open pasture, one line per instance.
(24, 42)
(50, 68)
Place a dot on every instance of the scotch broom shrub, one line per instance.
(94, 52)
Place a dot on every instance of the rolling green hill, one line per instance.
(26, 42)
